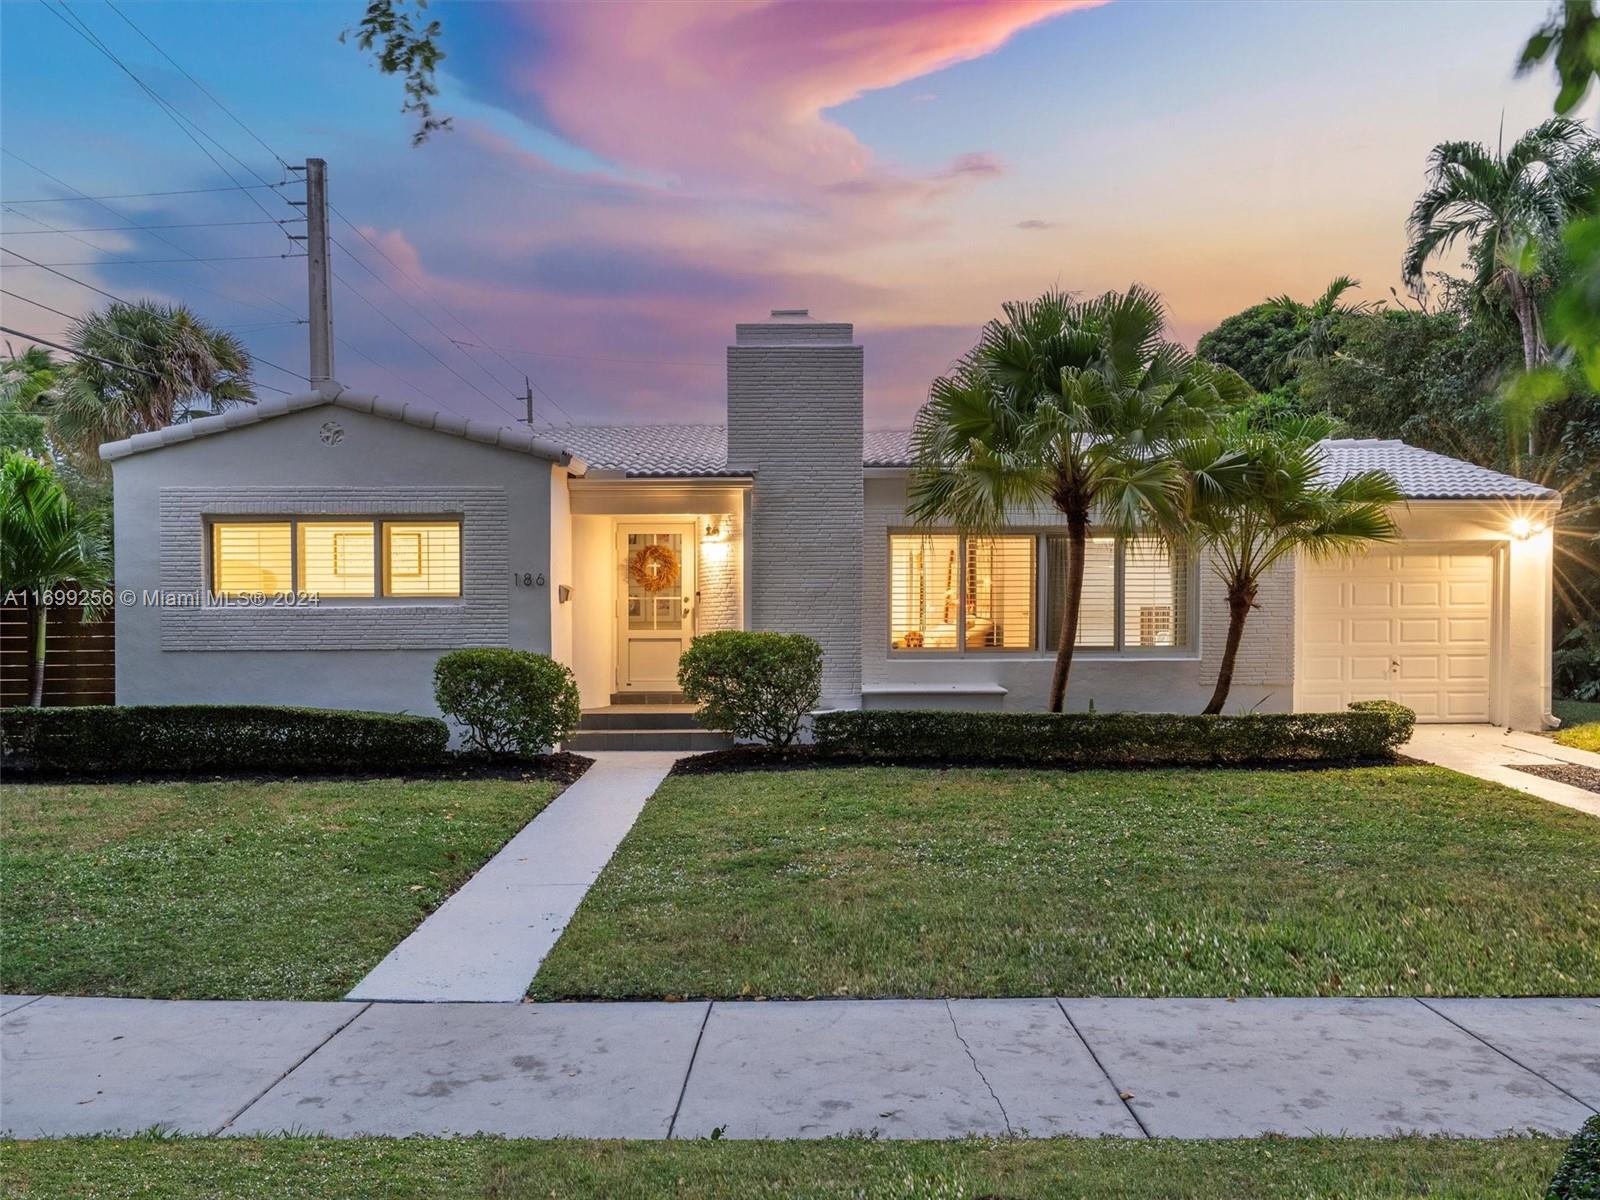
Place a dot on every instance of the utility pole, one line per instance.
(527, 396)
(319, 294)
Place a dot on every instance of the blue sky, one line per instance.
(624, 183)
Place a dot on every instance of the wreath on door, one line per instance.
(654, 567)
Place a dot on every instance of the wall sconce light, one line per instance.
(1523, 528)
(717, 528)
(713, 527)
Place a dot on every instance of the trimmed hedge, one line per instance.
(508, 702)
(182, 739)
(1371, 729)
(1577, 1176)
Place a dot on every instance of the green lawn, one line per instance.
(261, 890)
(480, 1169)
(918, 882)
(1580, 724)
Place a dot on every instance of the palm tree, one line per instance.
(45, 544)
(1070, 404)
(170, 366)
(1317, 321)
(25, 379)
(1511, 207)
(1270, 500)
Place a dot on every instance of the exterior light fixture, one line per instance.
(1523, 528)
(713, 527)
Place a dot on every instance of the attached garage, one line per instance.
(1454, 619)
(1412, 624)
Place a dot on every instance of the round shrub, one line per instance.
(507, 702)
(753, 685)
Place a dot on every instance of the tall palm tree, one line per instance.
(1317, 321)
(170, 366)
(1070, 404)
(46, 543)
(25, 379)
(1510, 207)
(1271, 501)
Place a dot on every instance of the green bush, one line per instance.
(1372, 729)
(753, 685)
(508, 702)
(1577, 1176)
(183, 739)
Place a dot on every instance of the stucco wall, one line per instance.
(795, 412)
(347, 654)
(1180, 680)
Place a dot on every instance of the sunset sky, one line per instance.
(624, 183)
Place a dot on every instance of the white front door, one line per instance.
(655, 618)
(1412, 624)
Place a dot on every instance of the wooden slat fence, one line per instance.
(79, 665)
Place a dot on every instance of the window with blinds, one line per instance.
(336, 558)
(1097, 608)
(251, 556)
(999, 593)
(924, 591)
(1155, 595)
(421, 558)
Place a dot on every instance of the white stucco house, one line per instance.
(611, 547)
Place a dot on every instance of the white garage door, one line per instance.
(1407, 625)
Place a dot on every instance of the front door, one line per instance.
(655, 621)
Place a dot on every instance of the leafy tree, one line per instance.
(1316, 324)
(169, 366)
(46, 543)
(1075, 405)
(1571, 37)
(408, 50)
(1254, 343)
(1269, 500)
(24, 379)
(1510, 207)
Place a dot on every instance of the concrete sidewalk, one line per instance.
(485, 943)
(1491, 753)
(897, 1068)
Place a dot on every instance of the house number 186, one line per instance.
(527, 579)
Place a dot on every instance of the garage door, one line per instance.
(1406, 625)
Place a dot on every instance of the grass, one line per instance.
(921, 882)
(280, 890)
(1580, 724)
(480, 1169)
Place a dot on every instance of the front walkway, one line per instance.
(782, 1069)
(485, 943)
(1489, 752)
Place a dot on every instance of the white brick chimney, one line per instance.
(795, 414)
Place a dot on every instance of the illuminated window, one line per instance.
(421, 558)
(336, 558)
(983, 595)
(924, 591)
(249, 557)
(999, 592)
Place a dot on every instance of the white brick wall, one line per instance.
(479, 618)
(795, 419)
(719, 604)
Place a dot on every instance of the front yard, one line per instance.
(1580, 724)
(275, 890)
(422, 1169)
(922, 882)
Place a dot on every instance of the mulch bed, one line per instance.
(810, 758)
(559, 768)
(1587, 778)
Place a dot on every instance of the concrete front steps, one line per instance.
(657, 721)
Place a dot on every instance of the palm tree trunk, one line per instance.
(40, 618)
(1078, 538)
(1241, 599)
(1527, 321)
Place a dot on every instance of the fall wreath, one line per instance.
(654, 567)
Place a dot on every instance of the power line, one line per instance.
(33, 337)
(125, 228)
(646, 362)
(266, 362)
(141, 195)
(162, 238)
(144, 262)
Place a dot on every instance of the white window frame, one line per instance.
(1044, 638)
(379, 554)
